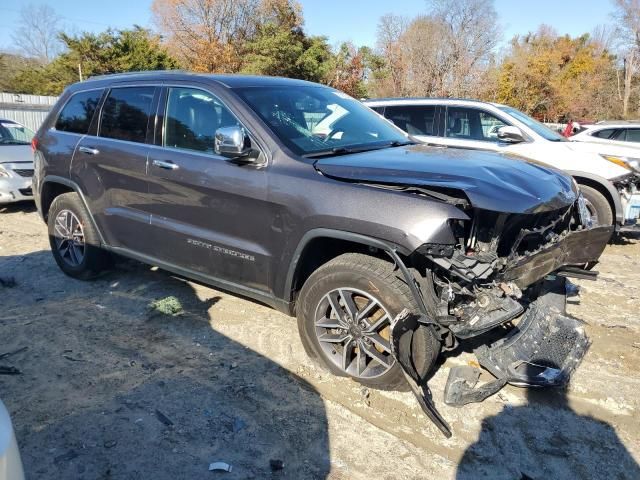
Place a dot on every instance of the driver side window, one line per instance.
(472, 124)
(191, 119)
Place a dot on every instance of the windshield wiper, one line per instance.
(334, 152)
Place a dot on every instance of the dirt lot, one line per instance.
(113, 388)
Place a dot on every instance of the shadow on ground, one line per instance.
(546, 439)
(113, 388)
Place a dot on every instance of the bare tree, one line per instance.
(627, 14)
(470, 34)
(447, 52)
(38, 32)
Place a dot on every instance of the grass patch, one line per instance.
(167, 306)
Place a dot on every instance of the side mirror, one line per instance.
(510, 134)
(232, 142)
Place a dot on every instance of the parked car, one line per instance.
(224, 180)
(605, 173)
(10, 462)
(621, 133)
(16, 162)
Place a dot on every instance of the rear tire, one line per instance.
(74, 241)
(598, 206)
(365, 280)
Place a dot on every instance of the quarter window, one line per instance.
(126, 112)
(414, 119)
(472, 124)
(76, 115)
(192, 118)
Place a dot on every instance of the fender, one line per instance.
(619, 214)
(388, 248)
(76, 188)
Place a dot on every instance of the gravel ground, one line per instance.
(115, 386)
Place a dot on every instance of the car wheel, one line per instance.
(74, 241)
(344, 313)
(597, 205)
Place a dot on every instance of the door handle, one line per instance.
(165, 165)
(89, 150)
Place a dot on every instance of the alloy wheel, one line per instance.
(352, 328)
(69, 238)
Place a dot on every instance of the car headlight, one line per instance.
(3, 172)
(620, 161)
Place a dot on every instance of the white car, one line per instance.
(10, 462)
(16, 162)
(605, 173)
(621, 133)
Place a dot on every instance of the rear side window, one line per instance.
(415, 119)
(76, 115)
(126, 112)
(606, 133)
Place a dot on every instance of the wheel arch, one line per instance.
(606, 188)
(321, 245)
(54, 186)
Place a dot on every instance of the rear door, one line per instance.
(209, 214)
(111, 167)
(421, 121)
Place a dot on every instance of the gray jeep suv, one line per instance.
(300, 197)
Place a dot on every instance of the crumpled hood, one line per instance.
(15, 153)
(491, 181)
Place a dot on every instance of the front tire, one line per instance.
(598, 206)
(344, 313)
(74, 241)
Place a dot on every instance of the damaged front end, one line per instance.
(503, 284)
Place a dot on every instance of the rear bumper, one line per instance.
(577, 248)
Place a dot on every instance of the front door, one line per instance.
(471, 128)
(209, 214)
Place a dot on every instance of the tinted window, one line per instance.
(633, 135)
(77, 113)
(379, 110)
(472, 124)
(606, 133)
(318, 120)
(192, 118)
(126, 112)
(414, 119)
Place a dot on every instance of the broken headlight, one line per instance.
(583, 212)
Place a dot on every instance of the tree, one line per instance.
(280, 47)
(37, 34)
(557, 77)
(112, 51)
(348, 71)
(446, 52)
(627, 14)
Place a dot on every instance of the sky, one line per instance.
(339, 20)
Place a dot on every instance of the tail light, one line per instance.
(34, 144)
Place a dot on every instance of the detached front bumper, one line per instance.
(576, 248)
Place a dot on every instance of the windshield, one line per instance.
(540, 128)
(313, 121)
(12, 133)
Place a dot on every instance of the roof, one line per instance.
(618, 123)
(410, 100)
(229, 81)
